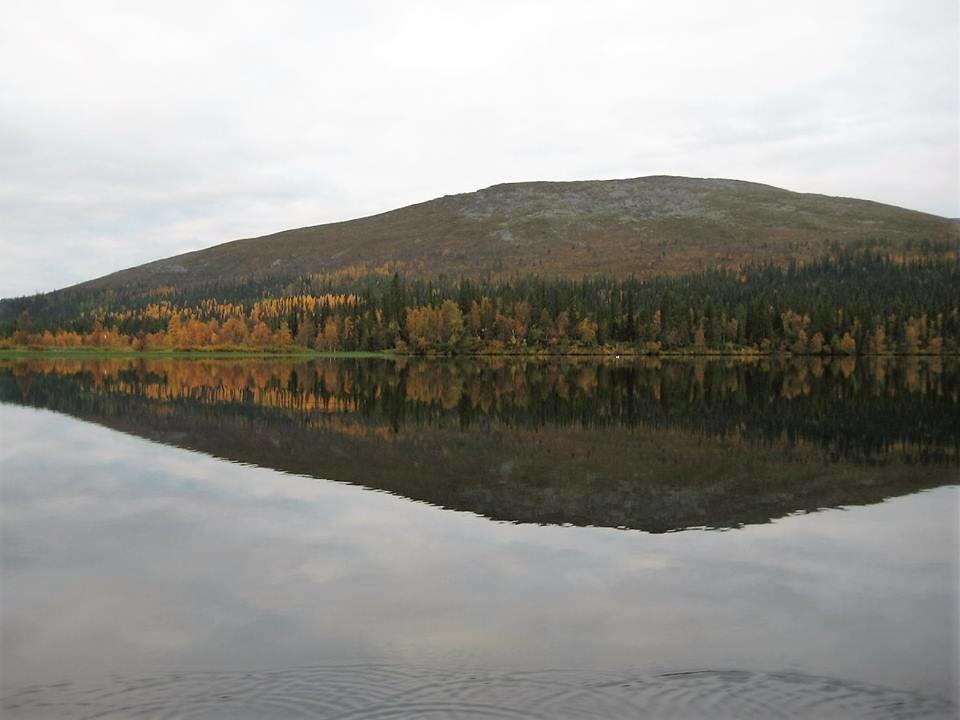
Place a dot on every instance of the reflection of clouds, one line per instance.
(160, 558)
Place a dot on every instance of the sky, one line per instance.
(131, 131)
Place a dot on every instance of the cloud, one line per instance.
(132, 131)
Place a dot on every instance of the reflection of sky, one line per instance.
(120, 555)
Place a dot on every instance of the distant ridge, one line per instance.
(643, 226)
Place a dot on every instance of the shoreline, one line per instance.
(304, 353)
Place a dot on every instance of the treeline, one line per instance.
(849, 303)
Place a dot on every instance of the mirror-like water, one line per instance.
(144, 575)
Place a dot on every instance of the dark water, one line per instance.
(271, 539)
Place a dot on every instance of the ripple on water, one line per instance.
(381, 692)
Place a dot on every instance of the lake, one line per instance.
(577, 538)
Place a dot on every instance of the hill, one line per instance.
(647, 226)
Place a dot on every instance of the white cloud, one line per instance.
(132, 131)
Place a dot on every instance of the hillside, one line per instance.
(645, 226)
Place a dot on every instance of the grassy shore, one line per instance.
(299, 353)
(83, 352)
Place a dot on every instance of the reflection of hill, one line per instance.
(650, 446)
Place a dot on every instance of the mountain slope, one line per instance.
(645, 226)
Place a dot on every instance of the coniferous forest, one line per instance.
(849, 302)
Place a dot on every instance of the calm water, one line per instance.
(355, 539)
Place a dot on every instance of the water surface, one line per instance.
(484, 539)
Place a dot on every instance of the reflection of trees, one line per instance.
(853, 409)
(657, 446)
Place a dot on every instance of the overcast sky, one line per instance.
(131, 131)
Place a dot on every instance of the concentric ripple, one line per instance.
(381, 692)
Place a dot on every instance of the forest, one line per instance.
(846, 303)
